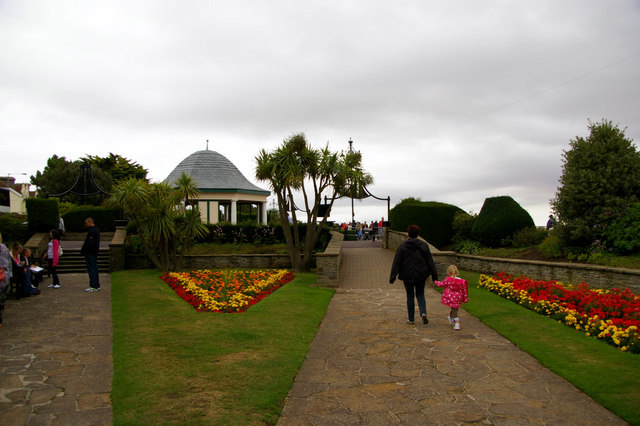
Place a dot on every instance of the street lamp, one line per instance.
(353, 215)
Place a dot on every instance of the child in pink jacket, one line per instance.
(454, 295)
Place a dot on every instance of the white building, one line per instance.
(13, 195)
(225, 194)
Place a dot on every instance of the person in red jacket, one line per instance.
(456, 292)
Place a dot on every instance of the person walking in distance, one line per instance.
(456, 292)
(413, 264)
(90, 250)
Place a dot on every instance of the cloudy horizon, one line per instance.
(447, 101)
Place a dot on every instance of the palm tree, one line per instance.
(295, 166)
(165, 225)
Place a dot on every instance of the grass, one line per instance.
(173, 365)
(603, 372)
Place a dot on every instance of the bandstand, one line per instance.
(225, 194)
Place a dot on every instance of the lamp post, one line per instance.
(353, 216)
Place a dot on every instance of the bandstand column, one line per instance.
(234, 212)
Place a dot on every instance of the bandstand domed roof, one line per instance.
(213, 172)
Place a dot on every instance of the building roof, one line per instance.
(213, 172)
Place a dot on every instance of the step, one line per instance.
(72, 261)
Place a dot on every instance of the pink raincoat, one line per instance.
(455, 291)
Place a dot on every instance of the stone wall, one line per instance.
(595, 275)
(328, 263)
(117, 256)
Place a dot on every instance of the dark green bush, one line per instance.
(462, 225)
(103, 217)
(225, 233)
(13, 228)
(529, 237)
(499, 219)
(623, 234)
(434, 219)
(42, 214)
(467, 247)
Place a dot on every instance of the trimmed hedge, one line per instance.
(435, 219)
(42, 214)
(103, 217)
(13, 228)
(499, 218)
(257, 234)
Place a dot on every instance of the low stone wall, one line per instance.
(117, 256)
(595, 275)
(328, 263)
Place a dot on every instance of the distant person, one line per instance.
(456, 292)
(52, 255)
(380, 227)
(35, 272)
(61, 228)
(5, 275)
(413, 264)
(551, 223)
(22, 273)
(90, 249)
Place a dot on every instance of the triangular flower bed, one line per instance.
(228, 290)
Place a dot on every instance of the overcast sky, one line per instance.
(451, 101)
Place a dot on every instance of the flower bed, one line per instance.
(226, 291)
(611, 315)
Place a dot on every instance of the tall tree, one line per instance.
(166, 218)
(297, 167)
(118, 167)
(60, 174)
(600, 179)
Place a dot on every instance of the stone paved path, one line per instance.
(367, 366)
(56, 359)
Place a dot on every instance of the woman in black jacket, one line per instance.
(413, 264)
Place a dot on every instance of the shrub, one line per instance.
(13, 228)
(551, 246)
(623, 234)
(462, 225)
(434, 219)
(42, 214)
(468, 247)
(529, 237)
(499, 219)
(104, 218)
(226, 233)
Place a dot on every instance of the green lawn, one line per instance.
(608, 375)
(173, 365)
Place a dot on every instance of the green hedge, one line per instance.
(42, 214)
(435, 219)
(13, 228)
(226, 233)
(103, 217)
(499, 218)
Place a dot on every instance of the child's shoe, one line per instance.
(450, 319)
(456, 326)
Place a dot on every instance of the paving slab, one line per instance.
(56, 362)
(366, 365)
